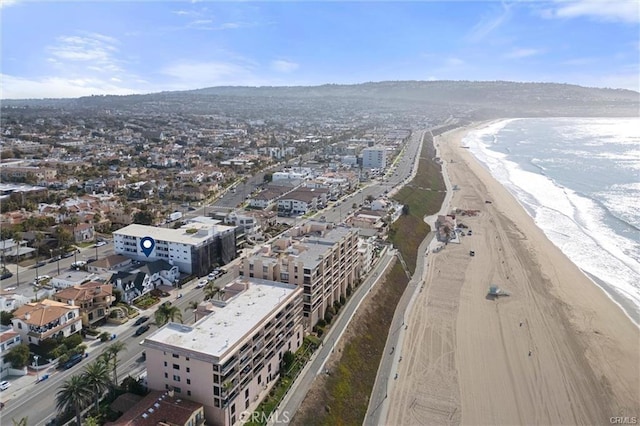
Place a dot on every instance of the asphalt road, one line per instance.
(129, 361)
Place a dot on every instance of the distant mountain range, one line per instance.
(484, 99)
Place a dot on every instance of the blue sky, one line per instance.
(79, 48)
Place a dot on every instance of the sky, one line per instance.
(61, 49)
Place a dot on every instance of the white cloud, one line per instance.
(603, 10)
(454, 62)
(489, 24)
(281, 65)
(12, 87)
(7, 3)
(523, 53)
(94, 51)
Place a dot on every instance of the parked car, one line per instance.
(4, 385)
(143, 329)
(6, 275)
(100, 244)
(55, 259)
(141, 320)
(73, 360)
(66, 255)
(39, 264)
(201, 283)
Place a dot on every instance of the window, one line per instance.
(166, 375)
(176, 356)
(189, 393)
(216, 391)
(188, 381)
(246, 393)
(176, 378)
(165, 363)
(178, 390)
(233, 411)
(176, 367)
(246, 404)
(216, 402)
(188, 370)
(269, 368)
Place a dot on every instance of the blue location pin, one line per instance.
(147, 244)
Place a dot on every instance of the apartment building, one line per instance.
(42, 320)
(93, 298)
(319, 257)
(228, 360)
(302, 201)
(195, 248)
(374, 157)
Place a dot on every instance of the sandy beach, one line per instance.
(556, 351)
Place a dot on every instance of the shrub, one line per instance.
(349, 290)
(73, 341)
(321, 323)
(104, 336)
(343, 300)
(328, 317)
(18, 356)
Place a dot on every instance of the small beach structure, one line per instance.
(495, 291)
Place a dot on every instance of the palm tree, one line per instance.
(210, 291)
(39, 237)
(110, 356)
(167, 312)
(96, 376)
(74, 394)
(193, 305)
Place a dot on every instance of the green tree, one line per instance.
(18, 356)
(167, 312)
(96, 376)
(110, 355)
(143, 217)
(287, 361)
(210, 291)
(74, 394)
(5, 317)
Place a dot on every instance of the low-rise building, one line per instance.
(302, 200)
(161, 409)
(71, 279)
(228, 360)
(93, 298)
(8, 340)
(46, 319)
(194, 248)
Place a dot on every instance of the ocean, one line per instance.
(579, 178)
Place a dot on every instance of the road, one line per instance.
(292, 400)
(130, 362)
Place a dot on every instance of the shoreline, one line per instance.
(555, 351)
(631, 311)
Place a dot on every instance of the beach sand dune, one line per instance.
(556, 351)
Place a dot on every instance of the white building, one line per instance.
(194, 248)
(8, 340)
(228, 360)
(374, 157)
(72, 278)
(43, 320)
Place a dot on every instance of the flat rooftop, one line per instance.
(204, 232)
(217, 333)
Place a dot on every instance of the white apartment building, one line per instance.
(194, 248)
(319, 257)
(228, 360)
(374, 157)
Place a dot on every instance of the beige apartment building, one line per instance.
(320, 257)
(228, 360)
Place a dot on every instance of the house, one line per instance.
(131, 284)
(302, 201)
(109, 263)
(159, 408)
(161, 272)
(94, 299)
(46, 319)
(8, 340)
(83, 232)
(71, 278)
(9, 300)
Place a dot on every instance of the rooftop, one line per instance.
(204, 232)
(216, 334)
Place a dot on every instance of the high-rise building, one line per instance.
(319, 257)
(374, 157)
(229, 360)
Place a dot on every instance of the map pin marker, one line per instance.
(147, 245)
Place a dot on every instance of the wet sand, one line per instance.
(556, 351)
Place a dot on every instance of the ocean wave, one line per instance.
(573, 221)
